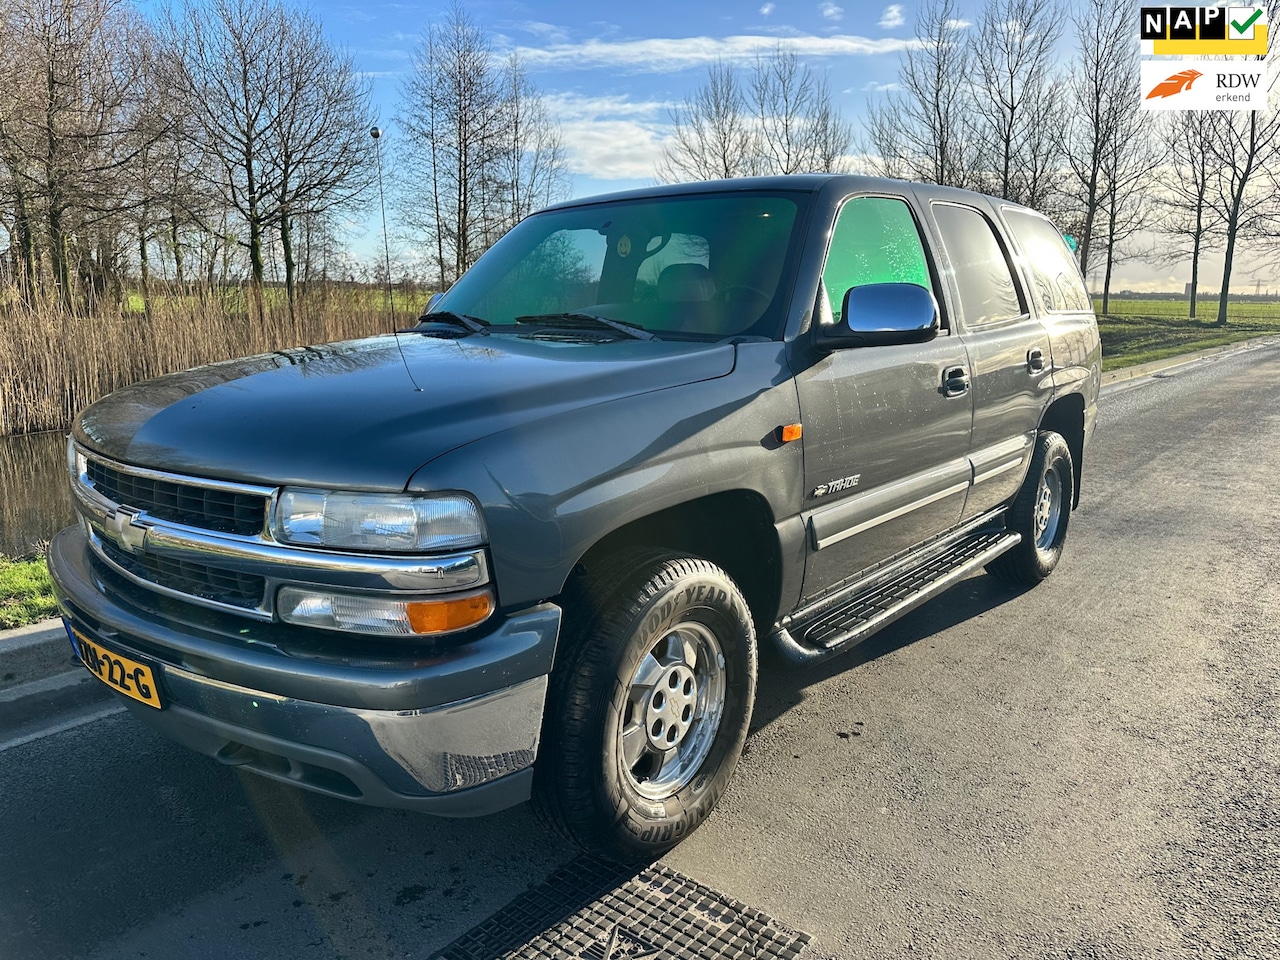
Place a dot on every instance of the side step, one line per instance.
(887, 598)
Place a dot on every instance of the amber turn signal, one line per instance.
(445, 616)
(789, 432)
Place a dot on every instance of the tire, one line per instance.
(1040, 512)
(649, 704)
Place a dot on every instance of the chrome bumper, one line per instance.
(462, 759)
(451, 730)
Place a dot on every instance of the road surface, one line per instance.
(1088, 769)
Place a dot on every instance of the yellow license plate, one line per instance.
(120, 673)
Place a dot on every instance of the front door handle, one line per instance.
(1035, 360)
(955, 381)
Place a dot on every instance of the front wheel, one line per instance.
(1040, 513)
(649, 706)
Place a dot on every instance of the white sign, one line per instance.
(1204, 85)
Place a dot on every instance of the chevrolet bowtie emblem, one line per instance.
(127, 535)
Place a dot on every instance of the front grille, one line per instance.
(223, 511)
(197, 579)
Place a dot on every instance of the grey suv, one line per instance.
(531, 546)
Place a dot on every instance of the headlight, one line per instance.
(378, 522)
(387, 616)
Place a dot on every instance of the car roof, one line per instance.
(795, 183)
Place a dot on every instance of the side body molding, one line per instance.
(853, 515)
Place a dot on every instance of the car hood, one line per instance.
(367, 414)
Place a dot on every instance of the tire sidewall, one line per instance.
(646, 825)
(1054, 454)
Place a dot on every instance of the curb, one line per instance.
(1168, 363)
(33, 653)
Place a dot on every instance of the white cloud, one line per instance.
(958, 24)
(545, 31)
(611, 137)
(892, 17)
(662, 54)
(831, 11)
(573, 106)
(767, 9)
(871, 86)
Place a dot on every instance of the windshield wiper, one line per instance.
(580, 320)
(474, 324)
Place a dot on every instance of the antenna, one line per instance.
(376, 133)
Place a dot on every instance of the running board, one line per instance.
(885, 600)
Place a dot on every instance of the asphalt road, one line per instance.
(1089, 769)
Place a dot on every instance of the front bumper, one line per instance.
(450, 730)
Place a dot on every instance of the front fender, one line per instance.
(552, 488)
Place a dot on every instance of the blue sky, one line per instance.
(612, 72)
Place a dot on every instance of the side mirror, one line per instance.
(431, 304)
(880, 314)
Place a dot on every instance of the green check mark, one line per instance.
(1242, 27)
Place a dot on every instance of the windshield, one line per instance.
(700, 266)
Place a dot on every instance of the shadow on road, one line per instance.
(782, 685)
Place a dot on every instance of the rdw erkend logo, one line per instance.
(1174, 85)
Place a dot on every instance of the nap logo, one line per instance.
(1203, 31)
(1203, 85)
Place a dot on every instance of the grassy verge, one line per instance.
(1127, 341)
(26, 595)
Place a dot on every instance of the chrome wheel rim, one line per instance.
(674, 705)
(1048, 509)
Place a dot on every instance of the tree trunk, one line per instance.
(286, 247)
(28, 270)
(257, 271)
(144, 267)
(1226, 271)
(58, 256)
(1090, 214)
(1195, 263)
(176, 240)
(1106, 282)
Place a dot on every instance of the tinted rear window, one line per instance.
(1055, 278)
(983, 279)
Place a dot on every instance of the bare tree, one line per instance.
(1014, 105)
(1184, 204)
(479, 150)
(1126, 208)
(320, 151)
(1099, 93)
(72, 133)
(782, 121)
(797, 128)
(711, 135)
(281, 117)
(528, 171)
(922, 132)
(1243, 146)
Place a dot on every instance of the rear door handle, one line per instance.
(1035, 360)
(955, 382)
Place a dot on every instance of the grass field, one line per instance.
(1138, 331)
(26, 594)
(1178, 309)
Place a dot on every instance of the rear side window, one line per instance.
(1055, 278)
(875, 241)
(983, 280)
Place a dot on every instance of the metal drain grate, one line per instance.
(594, 910)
